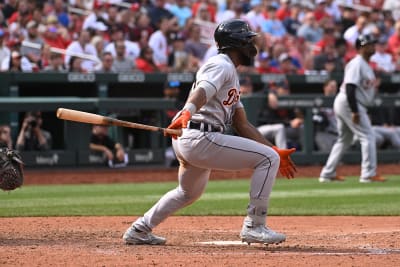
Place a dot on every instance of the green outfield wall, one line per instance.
(138, 97)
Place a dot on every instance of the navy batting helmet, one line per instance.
(235, 34)
(364, 39)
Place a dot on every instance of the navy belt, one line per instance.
(204, 127)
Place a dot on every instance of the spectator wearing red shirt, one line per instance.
(394, 40)
(319, 12)
(283, 11)
(328, 38)
(210, 7)
(75, 25)
(22, 15)
(145, 61)
(263, 65)
(396, 59)
(54, 39)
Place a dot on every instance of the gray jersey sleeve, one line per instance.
(211, 77)
(353, 73)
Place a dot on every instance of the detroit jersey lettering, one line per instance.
(219, 79)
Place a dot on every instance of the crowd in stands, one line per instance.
(295, 36)
(114, 36)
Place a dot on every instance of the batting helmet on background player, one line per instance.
(364, 39)
(235, 34)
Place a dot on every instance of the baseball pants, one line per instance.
(200, 152)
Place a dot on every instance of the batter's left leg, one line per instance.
(192, 183)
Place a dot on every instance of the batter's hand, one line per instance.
(287, 166)
(180, 122)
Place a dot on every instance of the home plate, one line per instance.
(223, 243)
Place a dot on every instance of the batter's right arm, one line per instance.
(195, 101)
(197, 98)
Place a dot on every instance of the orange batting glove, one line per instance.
(287, 166)
(180, 122)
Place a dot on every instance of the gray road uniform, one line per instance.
(203, 146)
(359, 73)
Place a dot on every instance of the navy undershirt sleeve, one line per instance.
(351, 97)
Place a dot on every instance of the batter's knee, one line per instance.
(270, 158)
(188, 197)
(276, 159)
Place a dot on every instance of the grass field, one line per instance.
(229, 197)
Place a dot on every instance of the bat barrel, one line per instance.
(85, 117)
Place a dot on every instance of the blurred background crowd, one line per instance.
(152, 36)
(295, 36)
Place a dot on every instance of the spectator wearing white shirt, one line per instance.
(394, 7)
(84, 4)
(159, 43)
(382, 60)
(16, 62)
(132, 49)
(96, 18)
(83, 46)
(351, 34)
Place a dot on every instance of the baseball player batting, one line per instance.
(212, 106)
(356, 93)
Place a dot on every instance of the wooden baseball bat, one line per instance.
(86, 117)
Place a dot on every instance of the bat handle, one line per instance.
(177, 132)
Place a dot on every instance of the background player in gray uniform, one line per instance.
(212, 106)
(356, 94)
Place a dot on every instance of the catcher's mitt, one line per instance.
(11, 172)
